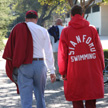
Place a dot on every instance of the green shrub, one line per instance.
(1, 43)
(106, 53)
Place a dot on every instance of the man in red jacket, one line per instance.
(26, 52)
(81, 61)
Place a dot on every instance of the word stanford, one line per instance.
(86, 40)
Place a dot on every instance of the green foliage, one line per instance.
(105, 1)
(1, 43)
(22, 6)
(44, 9)
(13, 12)
(50, 2)
(106, 53)
(62, 8)
(5, 16)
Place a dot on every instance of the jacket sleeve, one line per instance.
(63, 53)
(100, 51)
(49, 59)
(98, 46)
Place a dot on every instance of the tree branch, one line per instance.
(70, 2)
(88, 3)
(89, 7)
(44, 9)
(49, 15)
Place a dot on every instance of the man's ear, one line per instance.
(36, 20)
(82, 14)
(71, 16)
(26, 19)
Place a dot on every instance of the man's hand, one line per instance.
(53, 77)
(64, 77)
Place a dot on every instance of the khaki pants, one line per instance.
(56, 65)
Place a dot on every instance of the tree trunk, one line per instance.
(43, 17)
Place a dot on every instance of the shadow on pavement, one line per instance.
(54, 95)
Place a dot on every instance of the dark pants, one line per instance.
(88, 104)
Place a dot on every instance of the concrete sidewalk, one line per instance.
(104, 41)
(54, 94)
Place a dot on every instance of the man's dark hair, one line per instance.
(31, 15)
(76, 9)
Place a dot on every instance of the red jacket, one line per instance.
(19, 48)
(81, 58)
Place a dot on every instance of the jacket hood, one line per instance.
(78, 22)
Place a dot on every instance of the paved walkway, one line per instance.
(54, 95)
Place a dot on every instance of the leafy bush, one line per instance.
(106, 53)
(1, 43)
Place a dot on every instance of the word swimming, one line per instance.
(83, 57)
